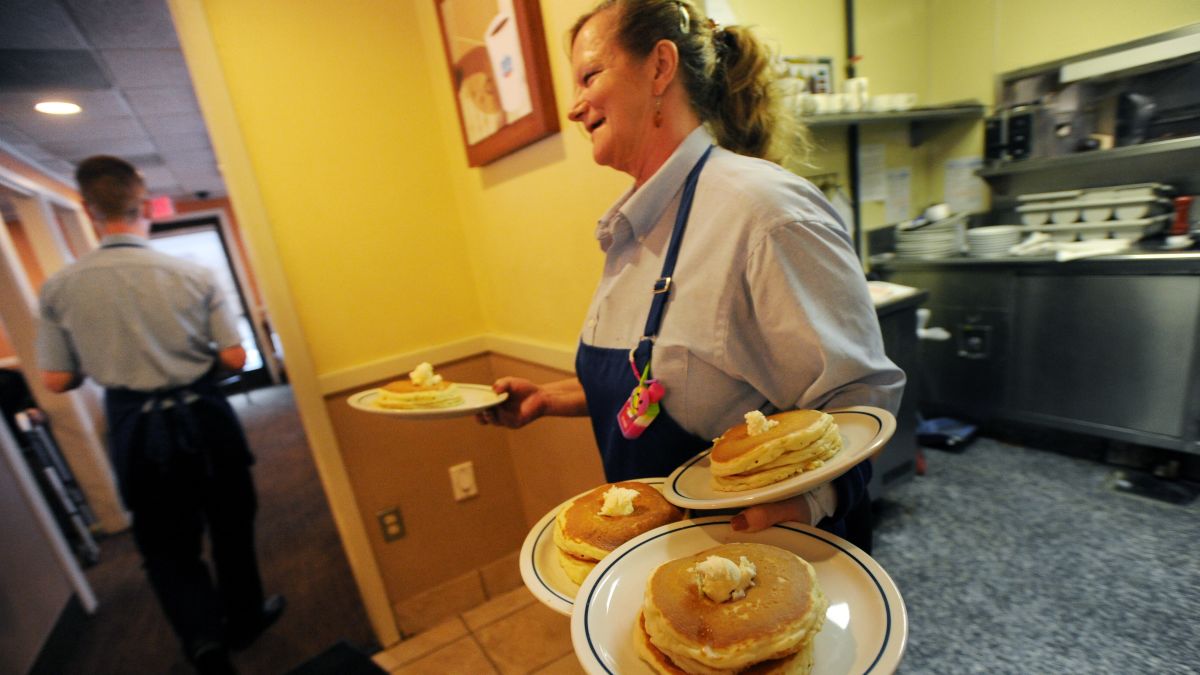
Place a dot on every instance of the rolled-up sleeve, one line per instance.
(222, 322)
(817, 342)
(55, 352)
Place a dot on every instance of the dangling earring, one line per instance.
(657, 111)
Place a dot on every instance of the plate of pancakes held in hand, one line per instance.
(773, 457)
(426, 395)
(698, 597)
(567, 543)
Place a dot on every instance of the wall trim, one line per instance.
(542, 353)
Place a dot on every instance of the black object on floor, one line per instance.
(340, 659)
(1153, 487)
(945, 433)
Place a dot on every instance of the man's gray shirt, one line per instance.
(131, 317)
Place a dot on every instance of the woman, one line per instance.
(762, 305)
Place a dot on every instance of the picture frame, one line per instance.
(500, 74)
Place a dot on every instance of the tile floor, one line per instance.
(510, 634)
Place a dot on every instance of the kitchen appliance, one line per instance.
(1030, 131)
(1134, 114)
(995, 137)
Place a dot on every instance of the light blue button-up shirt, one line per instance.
(769, 309)
(131, 317)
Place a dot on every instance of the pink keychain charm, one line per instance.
(641, 407)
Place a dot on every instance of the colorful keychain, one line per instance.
(641, 407)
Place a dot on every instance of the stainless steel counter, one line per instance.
(1108, 346)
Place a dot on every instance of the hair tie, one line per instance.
(685, 21)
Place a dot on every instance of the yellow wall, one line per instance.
(333, 104)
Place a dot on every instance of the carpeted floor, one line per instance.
(1013, 560)
(300, 555)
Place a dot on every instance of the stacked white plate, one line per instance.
(922, 244)
(940, 239)
(992, 241)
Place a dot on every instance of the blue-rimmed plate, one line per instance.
(540, 570)
(866, 625)
(476, 397)
(864, 429)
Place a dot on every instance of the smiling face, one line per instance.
(614, 98)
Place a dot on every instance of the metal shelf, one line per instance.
(971, 110)
(1082, 159)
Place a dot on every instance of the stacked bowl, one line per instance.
(992, 241)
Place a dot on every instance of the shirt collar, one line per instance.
(123, 240)
(643, 207)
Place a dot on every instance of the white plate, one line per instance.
(476, 397)
(866, 625)
(864, 431)
(540, 571)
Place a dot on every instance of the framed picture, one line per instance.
(496, 51)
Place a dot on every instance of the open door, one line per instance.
(205, 238)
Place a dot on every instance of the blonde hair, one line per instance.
(729, 74)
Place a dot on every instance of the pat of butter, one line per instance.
(723, 580)
(757, 423)
(618, 501)
(423, 376)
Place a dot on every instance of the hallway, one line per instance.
(299, 553)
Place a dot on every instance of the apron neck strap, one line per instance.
(662, 287)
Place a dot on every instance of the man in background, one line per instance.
(155, 331)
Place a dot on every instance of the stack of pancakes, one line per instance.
(769, 630)
(802, 441)
(404, 395)
(582, 536)
(422, 389)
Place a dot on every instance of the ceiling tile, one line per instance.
(161, 100)
(37, 24)
(80, 149)
(162, 125)
(125, 23)
(156, 175)
(146, 67)
(46, 129)
(71, 69)
(167, 143)
(215, 187)
(201, 158)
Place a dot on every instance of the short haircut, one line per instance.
(111, 186)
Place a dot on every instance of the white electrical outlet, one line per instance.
(462, 481)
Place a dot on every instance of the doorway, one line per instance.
(205, 239)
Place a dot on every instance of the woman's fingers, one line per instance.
(763, 516)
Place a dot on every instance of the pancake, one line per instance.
(577, 569)
(422, 389)
(801, 440)
(799, 663)
(585, 536)
(776, 619)
(812, 456)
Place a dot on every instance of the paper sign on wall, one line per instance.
(963, 189)
(872, 185)
(899, 194)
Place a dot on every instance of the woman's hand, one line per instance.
(763, 516)
(528, 401)
(525, 403)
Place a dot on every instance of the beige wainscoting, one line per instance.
(521, 475)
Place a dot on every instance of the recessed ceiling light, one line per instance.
(57, 108)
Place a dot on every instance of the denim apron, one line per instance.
(608, 379)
